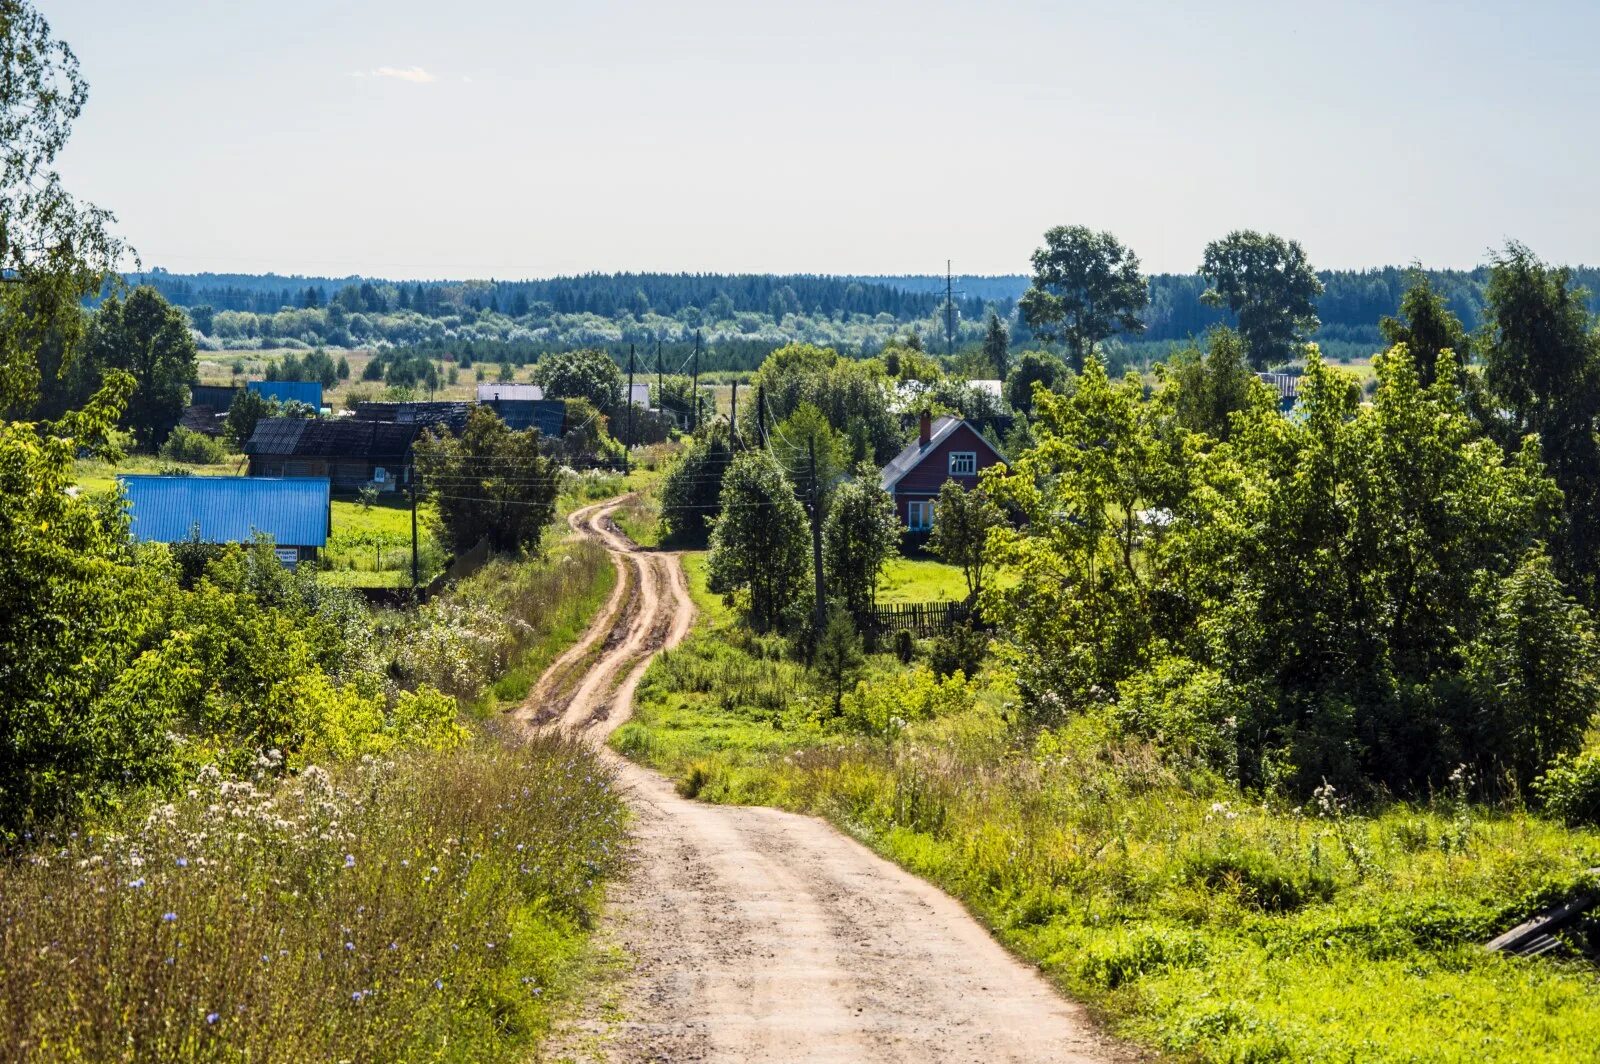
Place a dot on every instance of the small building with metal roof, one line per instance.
(294, 511)
(348, 451)
(307, 392)
(549, 416)
(488, 393)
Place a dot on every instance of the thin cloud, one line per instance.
(414, 74)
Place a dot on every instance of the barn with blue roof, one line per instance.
(307, 392)
(294, 511)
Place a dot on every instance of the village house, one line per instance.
(294, 512)
(349, 452)
(945, 449)
(307, 392)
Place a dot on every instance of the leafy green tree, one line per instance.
(1033, 367)
(1086, 286)
(861, 534)
(202, 317)
(587, 374)
(54, 251)
(1542, 362)
(760, 558)
(850, 395)
(1210, 387)
(838, 660)
(490, 483)
(961, 526)
(806, 444)
(997, 346)
(150, 339)
(248, 407)
(691, 494)
(1269, 286)
(1428, 328)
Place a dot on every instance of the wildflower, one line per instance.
(349, 860)
(182, 862)
(358, 996)
(167, 918)
(135, 884)
(438, 984)
(212, 1017)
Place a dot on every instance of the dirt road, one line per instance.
(759, 935)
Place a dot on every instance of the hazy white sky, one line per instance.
(416, 138)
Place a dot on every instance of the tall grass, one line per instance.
(424, 907)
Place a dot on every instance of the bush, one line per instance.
(904, 646)
(885, 705)
(959, 648)
(1570, 788)
(187, 445)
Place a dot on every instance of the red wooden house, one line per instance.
(946, 449)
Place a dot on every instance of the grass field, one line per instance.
(920, 580)
(1195, 919)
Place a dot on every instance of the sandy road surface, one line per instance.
(759, 935)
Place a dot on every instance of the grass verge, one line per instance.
(1193, 918)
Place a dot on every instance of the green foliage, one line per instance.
(1034, 367)
(186, 445)
(1570, 788)
(861, 533)
(490, 483)
(1428, 329)
(837, 660)
(1212, 386)
(760, 550)
(849, 395)
(1086, 285)
(959, 649)
(997, 346)
(1269, 286)
(691, 495)
(961, 532)
(149, 339)
(587, 374)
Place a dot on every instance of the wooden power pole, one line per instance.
(633, 436)
(733, 419)
(820, 613)
(694, 389)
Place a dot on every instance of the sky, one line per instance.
(524, 138)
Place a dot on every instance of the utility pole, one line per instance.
(949, 311)
(821, 610)
(661, 391)
(633, 436)
(733, 419)
(761, 415)
(413, 526)
(694, 389)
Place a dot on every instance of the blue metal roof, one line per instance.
(292, 510)
(308, 392)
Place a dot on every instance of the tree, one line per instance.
(997, 346)
(1542, 361)
(244, 412)
(760, 556)
(961, 526)
(490, 483)
(586, 374)
(807, 435)
(343, 370)
(1034, 367)
(54, 251)
(150, 339)
(1210, 387)
(1428, 328)
(692, 491)
(850, 395)
(1269, 286)
(838, 659)
(1086, 286)
(859, 537)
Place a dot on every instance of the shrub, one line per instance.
(959, 649)
(1570, 788)
(904, 646)
(885, 705)
(187, 445)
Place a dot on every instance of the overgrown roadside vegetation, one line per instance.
(1193, 918)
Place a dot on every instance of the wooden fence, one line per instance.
(922, 619)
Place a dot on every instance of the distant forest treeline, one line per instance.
(735, 310)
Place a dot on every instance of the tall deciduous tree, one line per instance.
(490, 483)
(860, 536)
(760, 550)
(150, 339)
(1270, 287)
(692, 492)
(587, 374)
(1542, 360)
(1086, 285)
(1428, 328)
(961, 532)
(1033, 367)
(1210, 387)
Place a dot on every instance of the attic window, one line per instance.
(963, 463)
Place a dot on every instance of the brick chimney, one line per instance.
(925, 429)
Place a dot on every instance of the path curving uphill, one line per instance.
(760, 935)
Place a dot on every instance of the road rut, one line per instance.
(760, 935)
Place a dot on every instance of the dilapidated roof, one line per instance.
(293, 437)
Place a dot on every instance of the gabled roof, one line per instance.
(292, 510)
(915, 452)
(549, 416)
(452, 415)
(294, 437)
(307, 392)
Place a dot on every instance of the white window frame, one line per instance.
(969, 459)
(919, 515)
